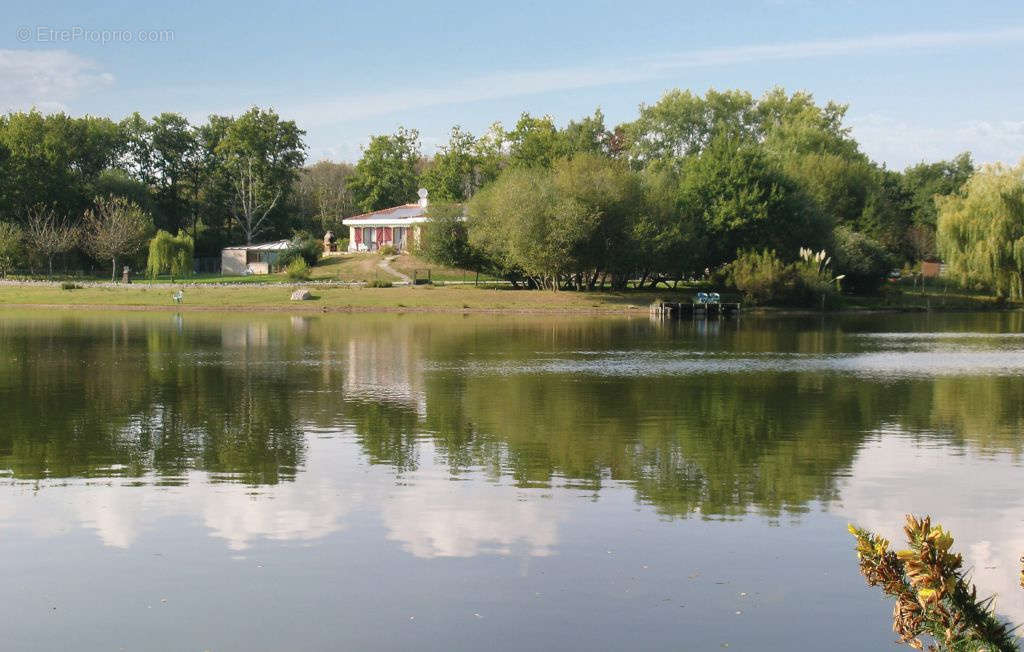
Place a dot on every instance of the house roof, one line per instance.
(404, 214)
(279, 245)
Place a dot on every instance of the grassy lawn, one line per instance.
(351, 298)
(272, 294)
(414, 267)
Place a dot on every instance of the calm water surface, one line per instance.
(227, 482)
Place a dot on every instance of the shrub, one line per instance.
(933, 594)
(764, 279)
(388, 250)
(297, 270)
(303, 246)
(342, 244)
(814, 285)
(864, 261)
(760, 276)
(378, 283)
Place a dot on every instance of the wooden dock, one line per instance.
(673, 309)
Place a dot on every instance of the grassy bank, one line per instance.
(276, 297)
(428, 298)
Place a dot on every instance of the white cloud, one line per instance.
(510, 84)
(900, 143)
(46, 79)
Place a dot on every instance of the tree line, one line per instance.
(691, 185)
(688, 186)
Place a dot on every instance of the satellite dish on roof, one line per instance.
(422, 192)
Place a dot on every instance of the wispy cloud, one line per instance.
(46, 79)
(515, 83)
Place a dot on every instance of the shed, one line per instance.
(242, 260)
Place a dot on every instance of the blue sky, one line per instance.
(924, 80)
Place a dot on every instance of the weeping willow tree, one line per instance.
(169, 254)
(981, 229)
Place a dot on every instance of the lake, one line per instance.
(460, 482)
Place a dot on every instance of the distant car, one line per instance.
(895, 274)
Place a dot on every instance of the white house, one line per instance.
(398, 226)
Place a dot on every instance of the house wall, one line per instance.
(233, 262)
(412, 237)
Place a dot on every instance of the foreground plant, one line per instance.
(933, 596)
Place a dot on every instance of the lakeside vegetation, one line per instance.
(771, 197)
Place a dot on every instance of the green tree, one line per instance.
(926, 181)
(324, 194)
(115, 228)
(739, 200)
(164, 155)
(611, 197)
(864, 262)
(445, 240)
(526, 225)
(455, 172)
(261, 156)
(587, 135)
(170, 254)
(386, 175)
(55, 159)
(535, 142)
(11, 246)
(981, 229)
(667, 238)
(682, 124)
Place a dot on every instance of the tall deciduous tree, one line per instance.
(261, 155)
(386, 175)
(926, 181)
(323, 194)
(612, 197)
(115, 227)
(742, 201)
(587, 135)
(454, 174)
(47, 234)
(55, 159)
(534, 142)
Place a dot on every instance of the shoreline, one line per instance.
(632, 310)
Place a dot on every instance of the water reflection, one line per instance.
(460, 437)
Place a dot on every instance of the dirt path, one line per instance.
(384, 265)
